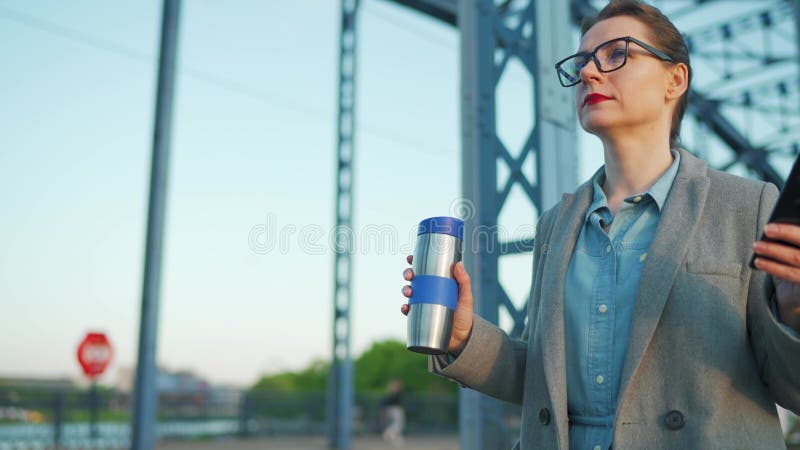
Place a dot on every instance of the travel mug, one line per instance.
(434, 290)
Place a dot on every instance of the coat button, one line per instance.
(675, 420)
(544, 416)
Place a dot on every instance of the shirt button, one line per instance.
(637, 199)
(600, 379)
(597, 447)
(602, 308)
(608, 249)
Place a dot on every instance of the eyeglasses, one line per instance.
(608, 57)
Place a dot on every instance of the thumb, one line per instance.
(464, 283)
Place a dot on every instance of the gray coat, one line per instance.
(706, 359)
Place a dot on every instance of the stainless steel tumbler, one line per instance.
(434, 290)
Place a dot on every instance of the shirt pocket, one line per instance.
(712, 266)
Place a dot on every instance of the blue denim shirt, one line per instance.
(599, 296)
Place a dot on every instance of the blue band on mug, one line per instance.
(435, 290)
(442, 225)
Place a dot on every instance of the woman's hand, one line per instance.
(784, 268)
(462, 320)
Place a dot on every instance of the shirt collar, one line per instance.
(658, 191)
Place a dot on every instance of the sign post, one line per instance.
(94, 354)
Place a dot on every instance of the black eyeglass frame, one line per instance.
(593, 55)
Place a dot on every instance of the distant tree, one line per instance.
(312, 378)
(390, 359)
(382, 362)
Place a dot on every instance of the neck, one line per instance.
(633, 166)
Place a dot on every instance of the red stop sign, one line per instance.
(94, 354)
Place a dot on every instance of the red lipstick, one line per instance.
(593, 98)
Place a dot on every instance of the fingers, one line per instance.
(461, 275)
(783, 232)
(405, 308)
(779, 252)
(464, 284)
(408, 275)
(776, 258)
(778, 270)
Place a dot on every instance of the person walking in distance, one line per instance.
(394, 414)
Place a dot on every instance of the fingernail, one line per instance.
(758, 245)
(772, 228)
(757, 262)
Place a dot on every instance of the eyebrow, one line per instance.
(591, 48)
(605, 42)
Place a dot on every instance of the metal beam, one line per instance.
(556, 134)
(480, 416)
(340, 380)
(444, 10)
(766, 18)
(535, 33)
(146, 394)
(707, 112)
(796, 14)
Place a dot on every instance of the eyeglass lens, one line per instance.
(610, 55)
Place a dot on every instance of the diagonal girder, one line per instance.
(707, 111)
(444, 10)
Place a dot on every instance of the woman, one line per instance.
(643, 300)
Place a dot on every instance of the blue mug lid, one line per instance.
(442, 225)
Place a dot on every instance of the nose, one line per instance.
(590, 71)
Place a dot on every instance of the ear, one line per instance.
(677, 81)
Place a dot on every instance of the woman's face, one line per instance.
(631, 99)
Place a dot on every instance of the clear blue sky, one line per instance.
(253, 147)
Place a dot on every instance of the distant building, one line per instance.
(170, 382)
(183, 392)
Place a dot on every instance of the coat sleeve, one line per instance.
(776, 347)
(492, 362)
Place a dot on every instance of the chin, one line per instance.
(595, 126)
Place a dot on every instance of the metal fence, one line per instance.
(40, 419)
(45, 419)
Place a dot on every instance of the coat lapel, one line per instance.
(679, 219)
(562, 240)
